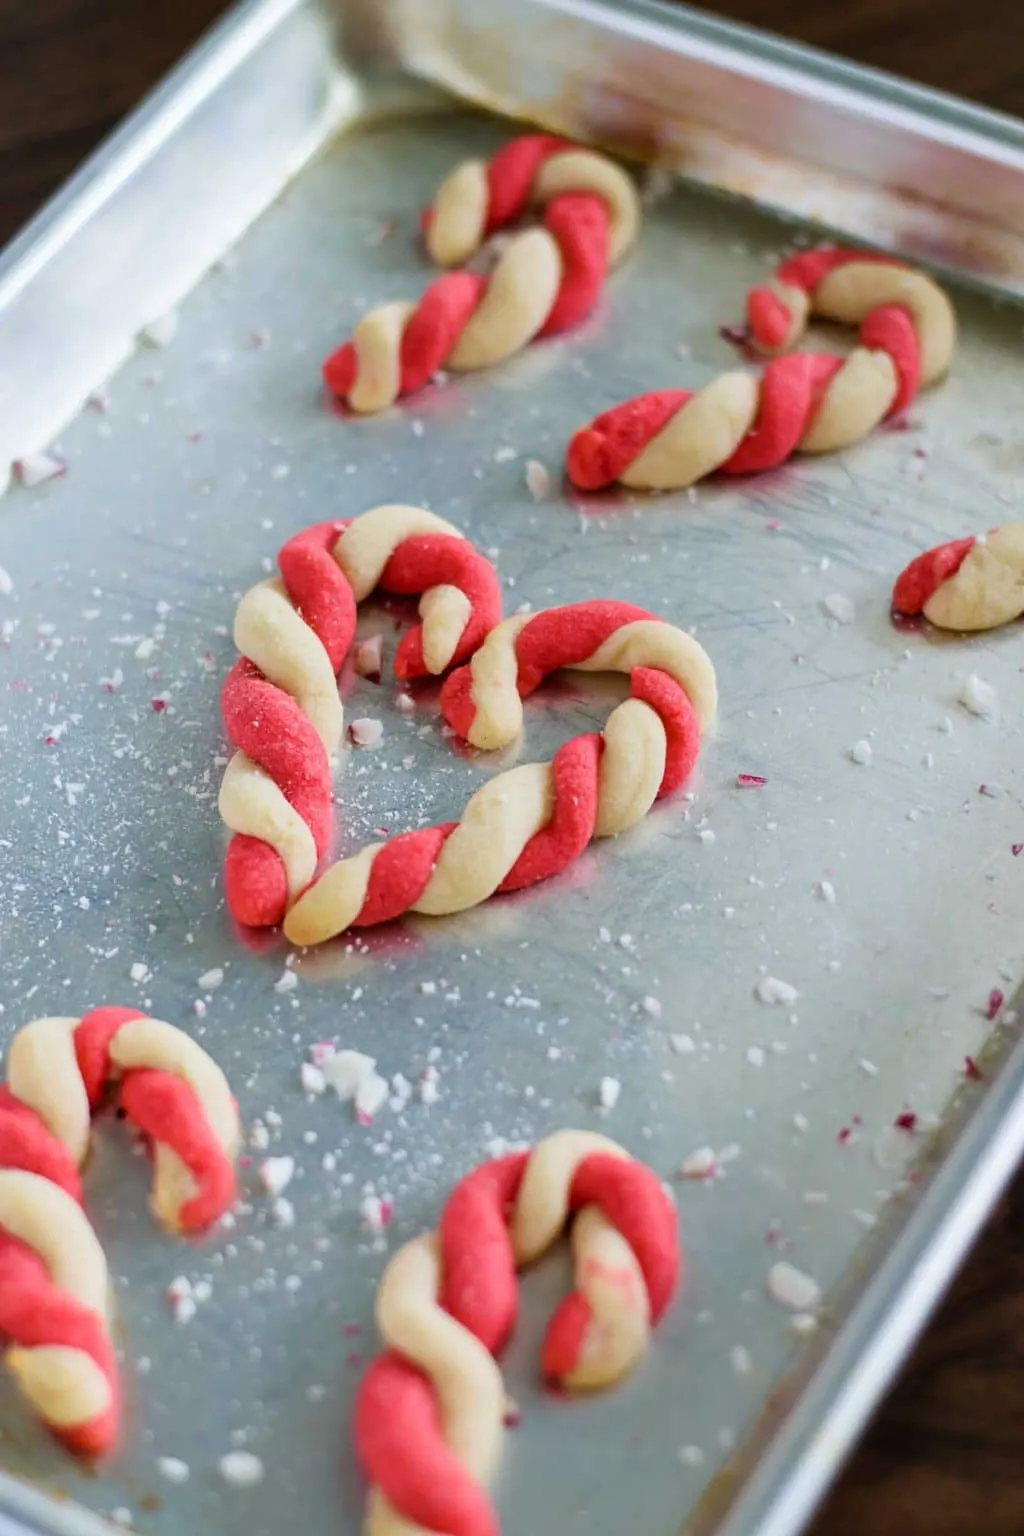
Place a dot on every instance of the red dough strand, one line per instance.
(924, 576)
(769, 319)
(429, 338)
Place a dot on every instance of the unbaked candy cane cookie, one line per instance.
(546, 280)
(810, 402)
(967, 584)
(532, 821)
(429, 1414)
(280, 700)
(54, 1301)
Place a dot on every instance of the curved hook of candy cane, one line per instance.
(847, 286)
(480, 197)
(483, 700)
(969, 584)
(428, 1418)
(280, 701)
(176, 1094)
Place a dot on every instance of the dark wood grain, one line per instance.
(944, 1455)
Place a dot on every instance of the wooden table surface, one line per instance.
(945, 1455)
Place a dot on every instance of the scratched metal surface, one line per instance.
(212, 452)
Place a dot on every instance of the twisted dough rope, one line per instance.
(810, 402)
(532, 821)
(968, 584)
(429, 1414)
(54, 1301)
(546, 280)
(280, 700)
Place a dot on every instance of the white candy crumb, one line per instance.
(804, 1323)
(861, 752)
(868, 1067)
(429, 1090)
(538, 481)
(375, 1213)
(701, 1164)
(371, 1095)
(839, 608)
(286, 982)
(345, 1070)
(312, 1079)
(184, 1309)
(771, 990)
(683, 1045)
(706, 835)
(791, 1288)
(36, 468)
(504, 455)
(370, 656)
(122, 1516)
(209, 981)
(138, 971)
(827, 892)
(172, 1469)
(282, 1213)
(276, 1174)
(6, 584)
(608, 1092)
(651, 1006)
(161, 330)
(405, 703)
(241, 1469)
(365, 732)
(755, 1056)
(691, 1455)
(739, 1359)
(979, 697)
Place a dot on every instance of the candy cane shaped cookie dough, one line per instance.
(546, 280)
(280, 701)
(54, 1305)
(809, 402)
(429, 1412)
(534, 820)
(969, 584)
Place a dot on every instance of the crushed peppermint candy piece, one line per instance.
(429, 1090)
(792, 1289)
(771, 990)
(994, 1003)
(241, 1469)
(375, 1213)
(6, 583)
(839, 608)
(312, 1079)
(282, 1213)
(827, 892)
(651, 1006)
(36, 468)
(979, 697)
(862, 752)
(683, 1045)
(701, 1164)
(174, 1470)
(369, 657)
(209, 981)
(286, 982)
(276, 1174)
(755, 1056)
(751, 780)
(608, 1092)
(366, 732)
(538, 480)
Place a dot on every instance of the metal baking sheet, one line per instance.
(206, 454)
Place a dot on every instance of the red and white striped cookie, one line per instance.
(532, 821)
(546, 280)
(809, 402)
(447, 1305)
(969, 584)
(280, 701)
(54, 1291)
